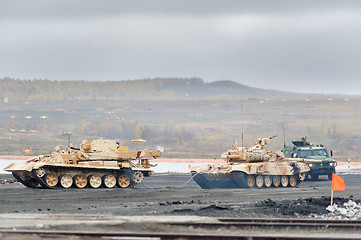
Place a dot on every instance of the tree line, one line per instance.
(44, 89)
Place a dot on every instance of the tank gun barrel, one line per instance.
(294, 159)
(313, 160)
(303, 160)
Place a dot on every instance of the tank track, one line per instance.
(32, 183)
(81, 171)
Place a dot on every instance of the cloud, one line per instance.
(96, 8)
(310, 46)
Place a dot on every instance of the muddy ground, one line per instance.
(164, 194)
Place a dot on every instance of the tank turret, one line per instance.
(96, 163)
(256, 153)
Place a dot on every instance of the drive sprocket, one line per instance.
(138, 177)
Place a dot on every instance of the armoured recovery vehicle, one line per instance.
(304, 149)
(96, 163)
(250, 167)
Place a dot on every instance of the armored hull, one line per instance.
(98, 163)
(251, 167)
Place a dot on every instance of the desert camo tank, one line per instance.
(251, 167)
(97, 163)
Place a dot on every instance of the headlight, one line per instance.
(310, 165)
(332, 164)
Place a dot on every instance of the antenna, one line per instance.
(69, 133)
(242, 120)
(284, 136)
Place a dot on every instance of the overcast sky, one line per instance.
(304, 46)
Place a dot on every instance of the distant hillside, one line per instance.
(157, 88)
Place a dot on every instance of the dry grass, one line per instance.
(214, 124)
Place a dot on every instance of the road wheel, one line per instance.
(259, 181)
(123, 181)
(267, 181)
(80, 181)
(51, 179)
(276, 181)
(138, 177)
(109, 181)
(250, 181)
(314, 177)
(66, 181)
(293, 181)
(94, 181)
(284, 181)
